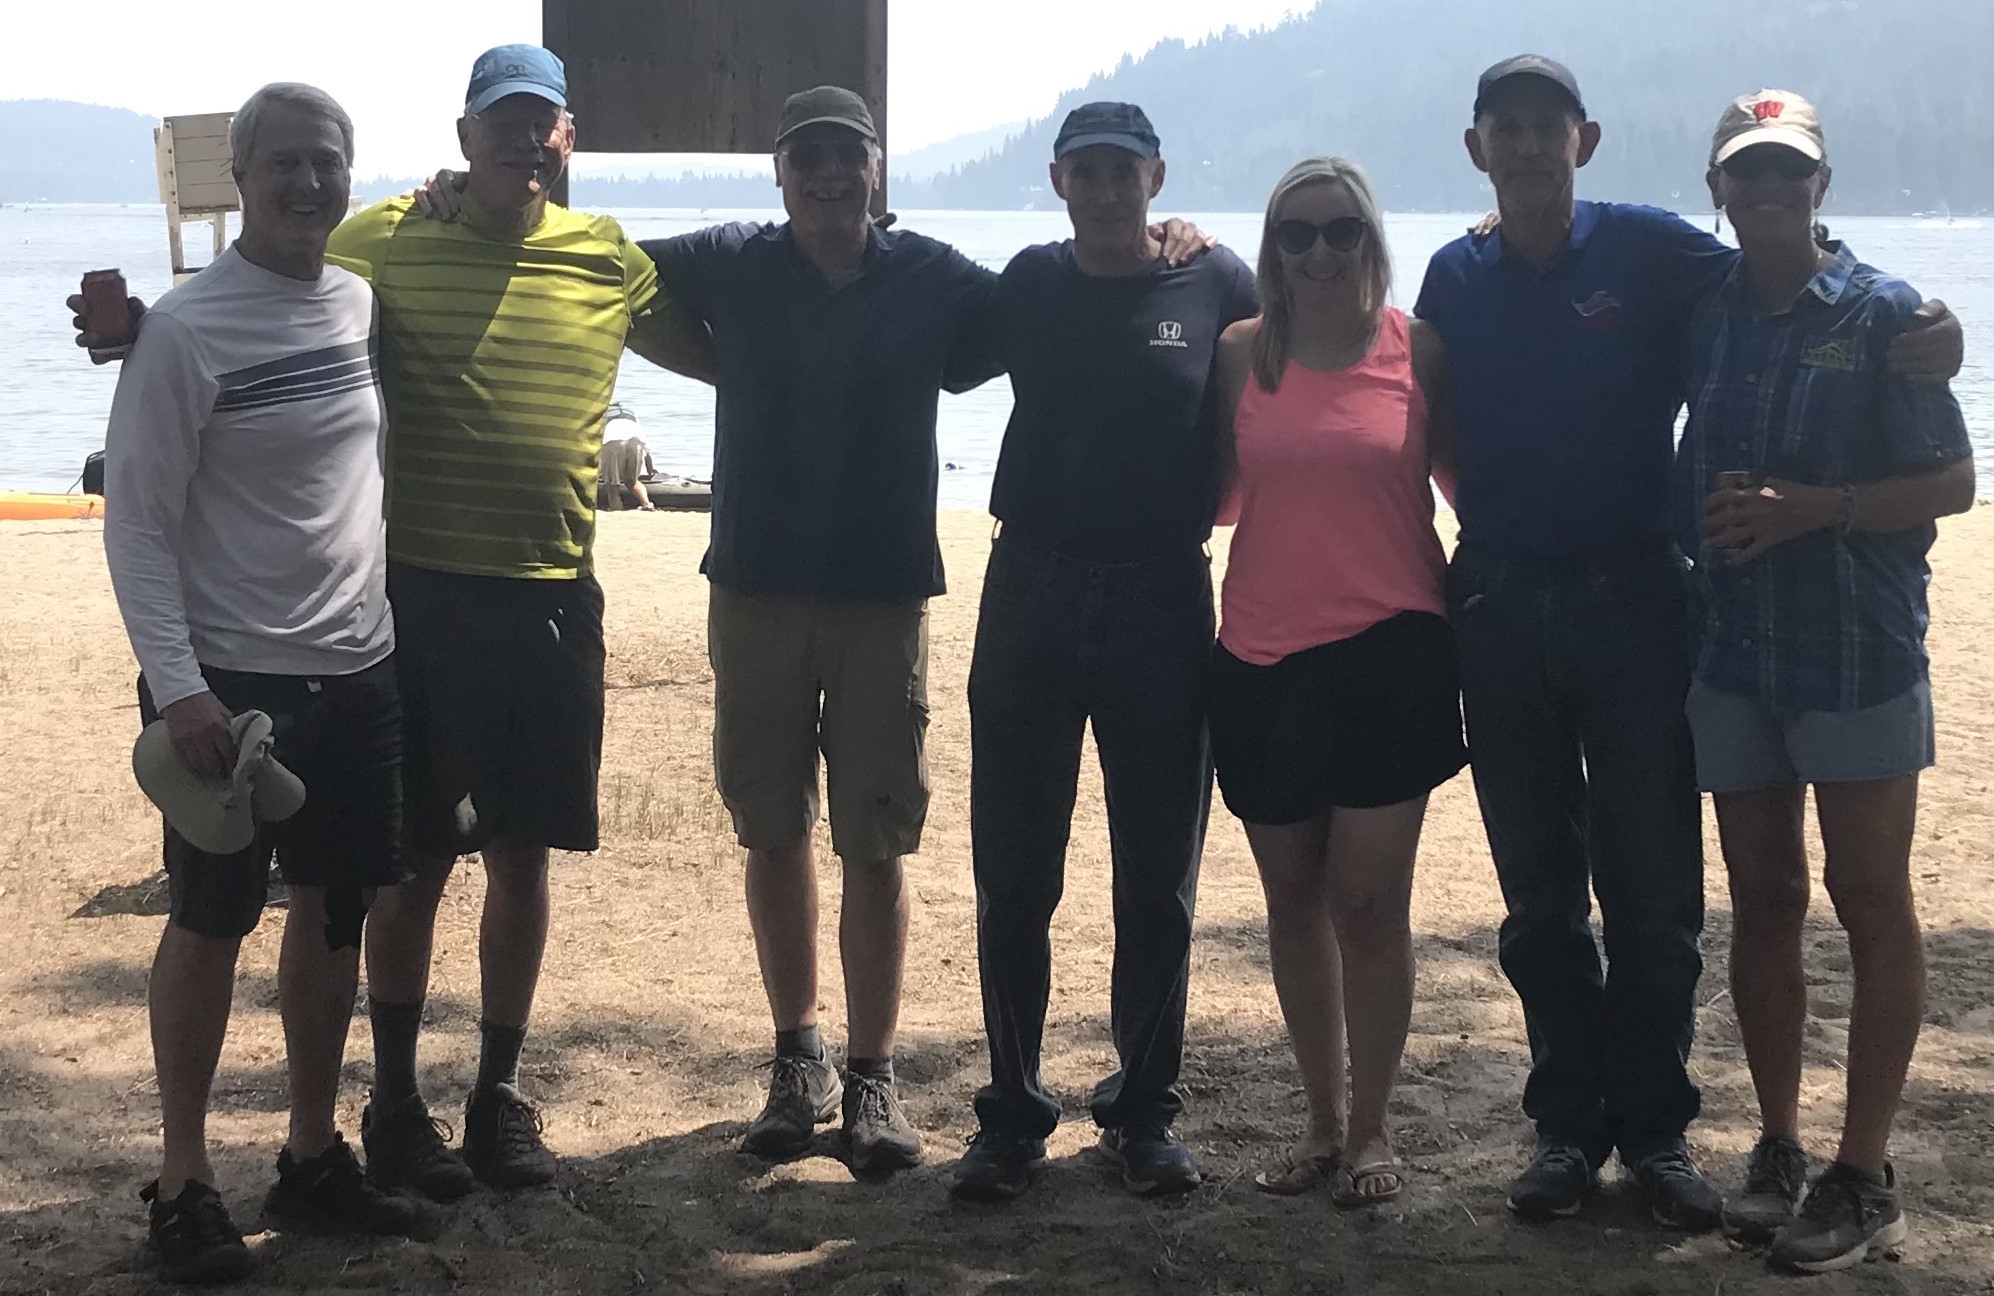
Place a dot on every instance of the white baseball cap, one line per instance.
(1768, 117)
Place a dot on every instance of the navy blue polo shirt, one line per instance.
(1111, 452)
(1567, 379)
(824, 461)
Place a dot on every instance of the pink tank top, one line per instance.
(1335, 516)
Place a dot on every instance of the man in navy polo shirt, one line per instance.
(1564, 331)
(1097, 606)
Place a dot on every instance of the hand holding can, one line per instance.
(106, 319)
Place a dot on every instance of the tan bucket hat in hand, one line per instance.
(219, 818)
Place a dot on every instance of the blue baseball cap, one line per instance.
(1122, 125)
(516, 69)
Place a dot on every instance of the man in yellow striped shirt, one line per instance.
(501, 335)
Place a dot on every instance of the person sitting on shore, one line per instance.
(626, 462)
(1335, 698)
(1807, 487)
(244, 534)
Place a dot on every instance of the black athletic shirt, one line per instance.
(1110, 455)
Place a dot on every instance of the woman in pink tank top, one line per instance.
(1335, 706)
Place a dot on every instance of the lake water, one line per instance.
(53, 402)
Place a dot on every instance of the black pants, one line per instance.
(1060, 642)
(1574, 681)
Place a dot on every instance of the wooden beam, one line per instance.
(708, 76)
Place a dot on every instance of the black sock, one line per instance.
(498, 1055)
(804, 1042)
(871, 1068)
(396, 1026)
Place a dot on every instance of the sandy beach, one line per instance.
(651, 1022)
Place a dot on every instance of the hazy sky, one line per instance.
(399, 66)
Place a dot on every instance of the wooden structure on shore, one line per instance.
(709, 76)
(196, 181)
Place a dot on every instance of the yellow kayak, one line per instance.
(40, 506)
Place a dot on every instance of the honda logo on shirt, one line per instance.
(1169, 333)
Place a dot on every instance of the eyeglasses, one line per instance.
(825, 155)
(539, 129)
(1296, 237)
(1763, 160)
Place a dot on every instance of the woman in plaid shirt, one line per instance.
(1808, 483)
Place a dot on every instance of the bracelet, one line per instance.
(1845, 508)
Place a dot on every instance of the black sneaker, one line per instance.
(1680, 1195)
(881, 1139)
(330, 1194)
(408, 1148)
(502, 1142)
(1555, 1184)
(1848, 1217)
(1775, 1179)
(1153, 1162)
(996, 1168)
(803, 1094)
(194, 1238)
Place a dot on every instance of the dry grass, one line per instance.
(651, 1023)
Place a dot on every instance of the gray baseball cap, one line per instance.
(1532, 65)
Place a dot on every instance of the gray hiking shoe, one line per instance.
(1680, 1195)
(502, 1139)
(1775, 1179)
(881, 1139)
(1154, 1162)
(409, 1148)
(803, 1094)
(1847, 1218)
(1555, 1184)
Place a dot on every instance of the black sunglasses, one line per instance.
(1342, 234)
(1762, 160)
(823, 155)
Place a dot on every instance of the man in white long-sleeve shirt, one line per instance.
(244, 530)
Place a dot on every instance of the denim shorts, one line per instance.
(1742, 744)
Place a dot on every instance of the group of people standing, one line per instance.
(1160, 387)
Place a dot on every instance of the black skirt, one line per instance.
(1368, 721)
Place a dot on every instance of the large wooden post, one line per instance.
(709, 76)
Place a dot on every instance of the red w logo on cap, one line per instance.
(1768, 108)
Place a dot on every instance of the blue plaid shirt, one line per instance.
(1826, 622)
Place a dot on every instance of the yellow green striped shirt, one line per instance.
(499, 355)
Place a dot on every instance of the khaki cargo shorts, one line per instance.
(847, 677)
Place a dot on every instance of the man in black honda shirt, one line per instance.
(1097, 605)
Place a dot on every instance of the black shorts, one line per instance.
(342, 736)
(502, 684)
(1368, 721)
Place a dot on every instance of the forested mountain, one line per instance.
(55, 151)
(1905, 88)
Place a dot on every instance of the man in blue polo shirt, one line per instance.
(1564, 331)
(1097, 605)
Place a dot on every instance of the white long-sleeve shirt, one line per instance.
(243, 494)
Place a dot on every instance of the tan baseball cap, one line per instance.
(1768, 117)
